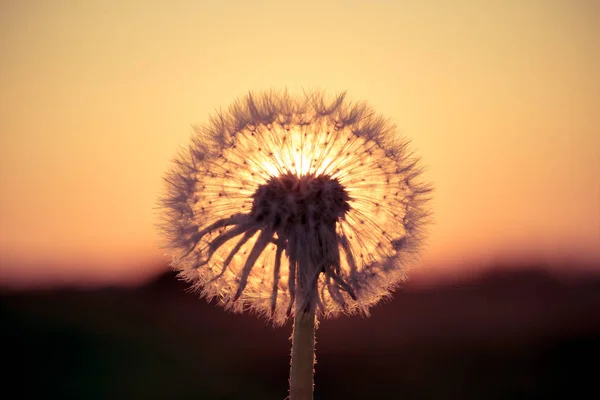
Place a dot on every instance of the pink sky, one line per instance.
(500, 100)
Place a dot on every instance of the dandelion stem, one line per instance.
(303, 354)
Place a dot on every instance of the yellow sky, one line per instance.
(500, 98)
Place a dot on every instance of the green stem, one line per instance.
(303, 355)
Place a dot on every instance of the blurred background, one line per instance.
(499, 98)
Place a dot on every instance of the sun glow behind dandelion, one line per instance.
(336, 169)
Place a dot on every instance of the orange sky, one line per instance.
(501, 100)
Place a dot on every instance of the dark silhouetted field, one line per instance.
(505, 335)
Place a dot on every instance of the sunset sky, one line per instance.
(500, 98)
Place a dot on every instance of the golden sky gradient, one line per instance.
(500, 98)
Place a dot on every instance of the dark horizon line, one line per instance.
(471, 273)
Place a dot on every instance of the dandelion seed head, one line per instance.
(295, 200)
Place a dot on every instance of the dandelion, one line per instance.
(302, 207)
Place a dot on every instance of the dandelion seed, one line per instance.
(295, 207)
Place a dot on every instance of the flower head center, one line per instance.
(288, 201)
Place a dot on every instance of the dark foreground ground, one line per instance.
(511, 335)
